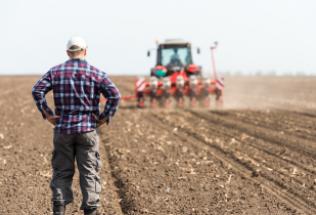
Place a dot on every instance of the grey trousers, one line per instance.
(84, 148)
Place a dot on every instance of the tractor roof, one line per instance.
(175, 42)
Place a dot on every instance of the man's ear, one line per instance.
(85, 52)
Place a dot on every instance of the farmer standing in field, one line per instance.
(76, 88)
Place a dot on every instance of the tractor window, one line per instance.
(175, 56)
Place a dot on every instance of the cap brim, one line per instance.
(74, 50)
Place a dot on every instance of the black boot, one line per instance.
(92, 211)
(59, 210)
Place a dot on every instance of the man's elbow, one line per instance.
(34, 92)
(118, 96)
(37, 94)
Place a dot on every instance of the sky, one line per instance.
(253, 35)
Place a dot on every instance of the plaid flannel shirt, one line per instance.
(76, 89)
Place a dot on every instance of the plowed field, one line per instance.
(257, 156)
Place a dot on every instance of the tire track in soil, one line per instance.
(296, 178)
(250, 173)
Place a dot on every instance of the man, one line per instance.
(76, 89)
(175, 59)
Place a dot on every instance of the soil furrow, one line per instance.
(306, 147)
(125, 204)
(167, 156)
(276, 121)
(274, 151)
(308, 114)
(296, 177)
(247, 171)
(188, 162)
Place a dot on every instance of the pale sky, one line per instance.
(253, 34)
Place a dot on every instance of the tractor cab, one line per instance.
(174, 56)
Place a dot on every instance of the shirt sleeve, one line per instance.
(40, 89)
(112, 95)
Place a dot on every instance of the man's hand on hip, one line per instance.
(102, 121)
(51, 118)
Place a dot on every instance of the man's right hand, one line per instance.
(51, 118)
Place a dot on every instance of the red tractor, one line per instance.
(176, 80)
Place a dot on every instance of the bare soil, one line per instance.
(256, 156)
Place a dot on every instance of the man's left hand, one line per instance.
(102, 121)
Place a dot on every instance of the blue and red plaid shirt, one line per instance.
(76, 89)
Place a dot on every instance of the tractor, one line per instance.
(176, 80)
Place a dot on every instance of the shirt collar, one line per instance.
(77, 60)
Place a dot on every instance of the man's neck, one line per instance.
(78, 58)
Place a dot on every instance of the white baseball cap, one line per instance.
(76, 44)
